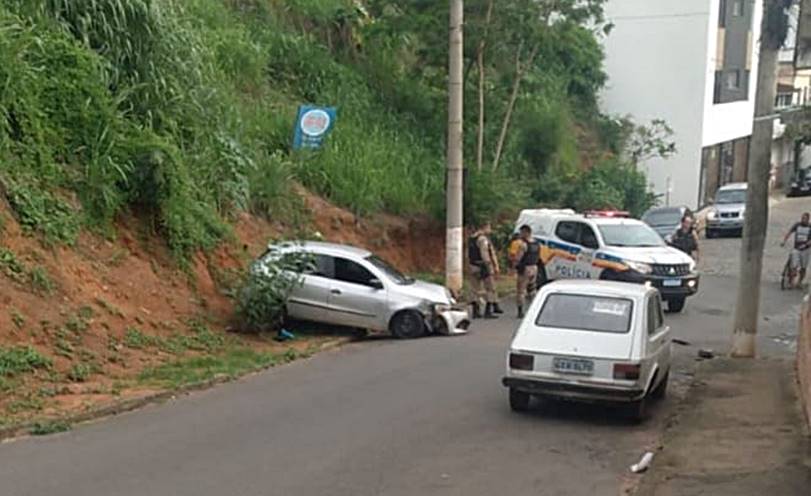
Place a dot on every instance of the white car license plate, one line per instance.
(671, 283)
(573, 366)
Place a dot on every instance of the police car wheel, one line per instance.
(675, 305)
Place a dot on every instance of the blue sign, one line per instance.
(313, 124)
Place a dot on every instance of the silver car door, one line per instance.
(357, 297)
(310, 300)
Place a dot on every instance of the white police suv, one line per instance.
(575, 246)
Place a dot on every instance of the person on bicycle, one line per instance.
(802, 243)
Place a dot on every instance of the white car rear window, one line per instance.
(586, 313)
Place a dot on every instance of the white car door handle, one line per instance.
(335, 291)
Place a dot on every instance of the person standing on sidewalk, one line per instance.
(484, 268)
(526, 268)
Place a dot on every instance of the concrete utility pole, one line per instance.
(454, 227)
(747, 306)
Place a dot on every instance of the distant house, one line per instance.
(692, 63)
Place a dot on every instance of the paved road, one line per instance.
(425, 417)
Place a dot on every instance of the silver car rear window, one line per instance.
(586, 313)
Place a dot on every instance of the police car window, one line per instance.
(352, 272)
(587, 237)
(567, 231)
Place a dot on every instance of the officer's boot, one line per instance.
(488, 311)
(477, 311)
(497, 309)
(520, 311)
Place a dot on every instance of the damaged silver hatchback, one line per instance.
(348, 286)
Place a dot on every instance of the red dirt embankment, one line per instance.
(99, 290)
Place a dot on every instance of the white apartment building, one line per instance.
(692, 63)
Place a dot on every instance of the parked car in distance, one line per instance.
(727, 213)
(801, 185)
(594, 341)
(347, 286)
(665, 220)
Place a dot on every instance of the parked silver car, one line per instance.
(348, 286)
(727, 213)
(596, 341)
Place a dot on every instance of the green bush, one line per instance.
(21, 359)
(262, 298)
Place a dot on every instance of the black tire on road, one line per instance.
(407, 324)
(519, 400)
(709, 233)
(675, 305)
(661, 390)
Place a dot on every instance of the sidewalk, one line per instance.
(739, 433)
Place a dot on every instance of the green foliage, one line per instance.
(181, 111)
(262, 298)
(231, 363)
(49, 427)
(17, 318)
(21, 359)
(612, 184)
(137, 340)
(41, 282)
(79, 372)
(43, 212)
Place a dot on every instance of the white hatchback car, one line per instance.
(596, 341)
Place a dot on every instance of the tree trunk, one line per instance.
(520, 70)
(747, 305)
(480, 63)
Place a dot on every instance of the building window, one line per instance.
(737, 8)
(783, 100)
(722, 14)
(733, 80)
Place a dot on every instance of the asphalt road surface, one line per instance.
(382, 417)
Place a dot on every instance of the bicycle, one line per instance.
(787, 277)
(790, 272)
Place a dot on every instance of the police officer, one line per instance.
(484, 267)
(685, 238)
(526, 268)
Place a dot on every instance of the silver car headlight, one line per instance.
(692, 265)
(743, 212)
(442, 307)
(640, 267)
(712, 214)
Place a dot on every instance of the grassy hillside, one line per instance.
(182, 112)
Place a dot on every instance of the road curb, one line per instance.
(24, 429)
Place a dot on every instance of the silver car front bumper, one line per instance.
(451, 322)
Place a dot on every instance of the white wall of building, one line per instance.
(656, 60)
(729, 121)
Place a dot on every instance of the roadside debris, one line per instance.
(708, 354)
(643, 463)
(680, 342)
(284, 335)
